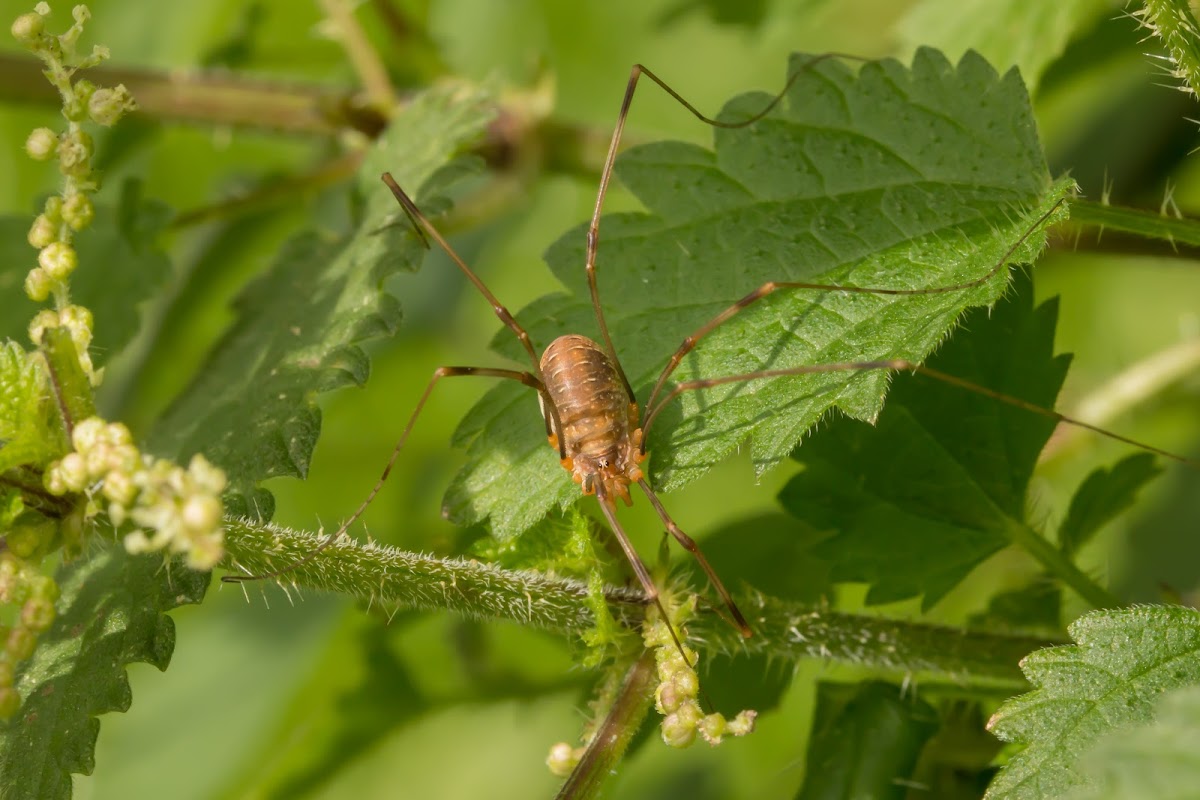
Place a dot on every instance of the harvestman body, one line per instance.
(591, 414)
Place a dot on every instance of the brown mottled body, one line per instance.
(600, 433)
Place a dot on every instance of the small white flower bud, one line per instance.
(41, 143)
(28, 27)
(75, 152)
(59, 260)
(88, 433)
(201, 513)
(42, 232)
(78, 211)
(38, 285)
(106, 106)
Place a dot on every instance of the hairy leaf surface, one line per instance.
(252, 408)
(1158, 759)
(1124, 660)
(111, 613)
(939, 483)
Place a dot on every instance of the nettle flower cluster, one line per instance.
(86, 466)
(180, 508)
(176, 510)
(677, 695)
(71, 211)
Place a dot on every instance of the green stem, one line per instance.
(361, 54)
(211, 98)
(70, 386)
(1057, 563)
(1149, 224)
(792, 631)
(391, 577)
(1133, 387)
(612, 738)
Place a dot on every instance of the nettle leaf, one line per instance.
(1102, 496)
(252, 408)
(874, 175)
(28, 433)
(1158, 759)
(120, 266)
(866, 744)
(938, 484)
(1123, 662)
(111, 613)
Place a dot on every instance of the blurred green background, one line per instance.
(295, 695)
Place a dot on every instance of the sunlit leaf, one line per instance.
(873, 175)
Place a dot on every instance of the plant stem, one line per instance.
(1149, 224)
(361, 54)
(69, 385)
(391, 577)
(611, 740)
(211, 98)
(792, 631)
(1057, 563)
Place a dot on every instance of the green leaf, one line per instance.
(27, 435)
(1102, 496)
(756, 547)
(877, 176)
(1035, 607)
(252, 408)
(1158, 759)
(938, 484)
(110, 614)
(120, 266)
(1125, 659)
(988, 26)
(865, 745)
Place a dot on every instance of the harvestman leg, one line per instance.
(771, 287)
(639, 567)
(593, 241)
(593, 234)
(441, 372)
(532, 379)
(689, 544)
(897, 365)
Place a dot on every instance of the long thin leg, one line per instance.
(593, 235)
(424, 227)
(895, 365)
(505, 316)
(635, 561)
(441, 372)
(770, 287)
(690, 545)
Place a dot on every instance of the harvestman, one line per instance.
(592, 417)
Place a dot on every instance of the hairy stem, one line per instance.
(391, 577)
(792, 631)
(612, 738)
(361, 54)
(1149, 224)
(1060, 565)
